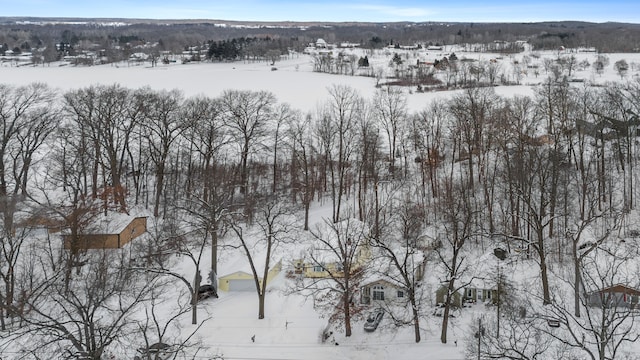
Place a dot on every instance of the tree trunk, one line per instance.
(545, 278)
(214, 260)
(244, 169)
(577, 279)
(307, 204)
(346, 303)
(159, 185)
(447, 309)
(416, 318)
(194, 300)
(261, 296)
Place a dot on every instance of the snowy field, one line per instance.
(292, 329)
(294, 82)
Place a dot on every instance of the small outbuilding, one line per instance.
(237, 281)
(111, 231)
(243, 280)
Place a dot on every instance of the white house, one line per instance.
(321, 44)
(381, 291)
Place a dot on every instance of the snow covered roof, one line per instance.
(379, 281)
(619, 288)
(111, 223)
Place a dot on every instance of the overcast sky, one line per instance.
(334, 10)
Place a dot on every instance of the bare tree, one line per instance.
(11, 254)
(428, 143)
(180, 235)
(209, 202)
(621, 67)
(109, 116)
(275, 223)
(457, 215)
(389, 108)
(535, 197)
(405, 263)
(518, 340)
(162, 125)
(585, 220)
(600, 63)
(161, 332)
(608, 321)
(283, 116)
(519, 126)
(28, 114)
(340, 249)
(91, 314)
(246, 114)
(303, 162)
(343, 110)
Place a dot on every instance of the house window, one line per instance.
(469, 293)
(339, 267)
(378, 292)
(318, 268)
(400, 294)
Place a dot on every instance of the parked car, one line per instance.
(158, 351)
(439, 311)
(554, 323)
(373, 320)
(206, 291)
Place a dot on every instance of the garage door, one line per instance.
(242, 285)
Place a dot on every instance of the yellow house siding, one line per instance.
(275, 270)
(310, 271)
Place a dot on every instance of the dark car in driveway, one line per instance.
(373, 320)
(206, 291)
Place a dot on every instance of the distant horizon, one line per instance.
(372, 11)
(72, 19)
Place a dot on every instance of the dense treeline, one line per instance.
(533, 172)
(177, 36)
(248, 48)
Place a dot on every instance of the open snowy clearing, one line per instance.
(293, 82)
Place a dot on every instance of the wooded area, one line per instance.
(530, 174)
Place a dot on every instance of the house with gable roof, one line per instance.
(111, 231)
(381, 291)
(324, 264)
(615, 296)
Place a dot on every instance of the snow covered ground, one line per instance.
(291, 328)
(294, 82)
